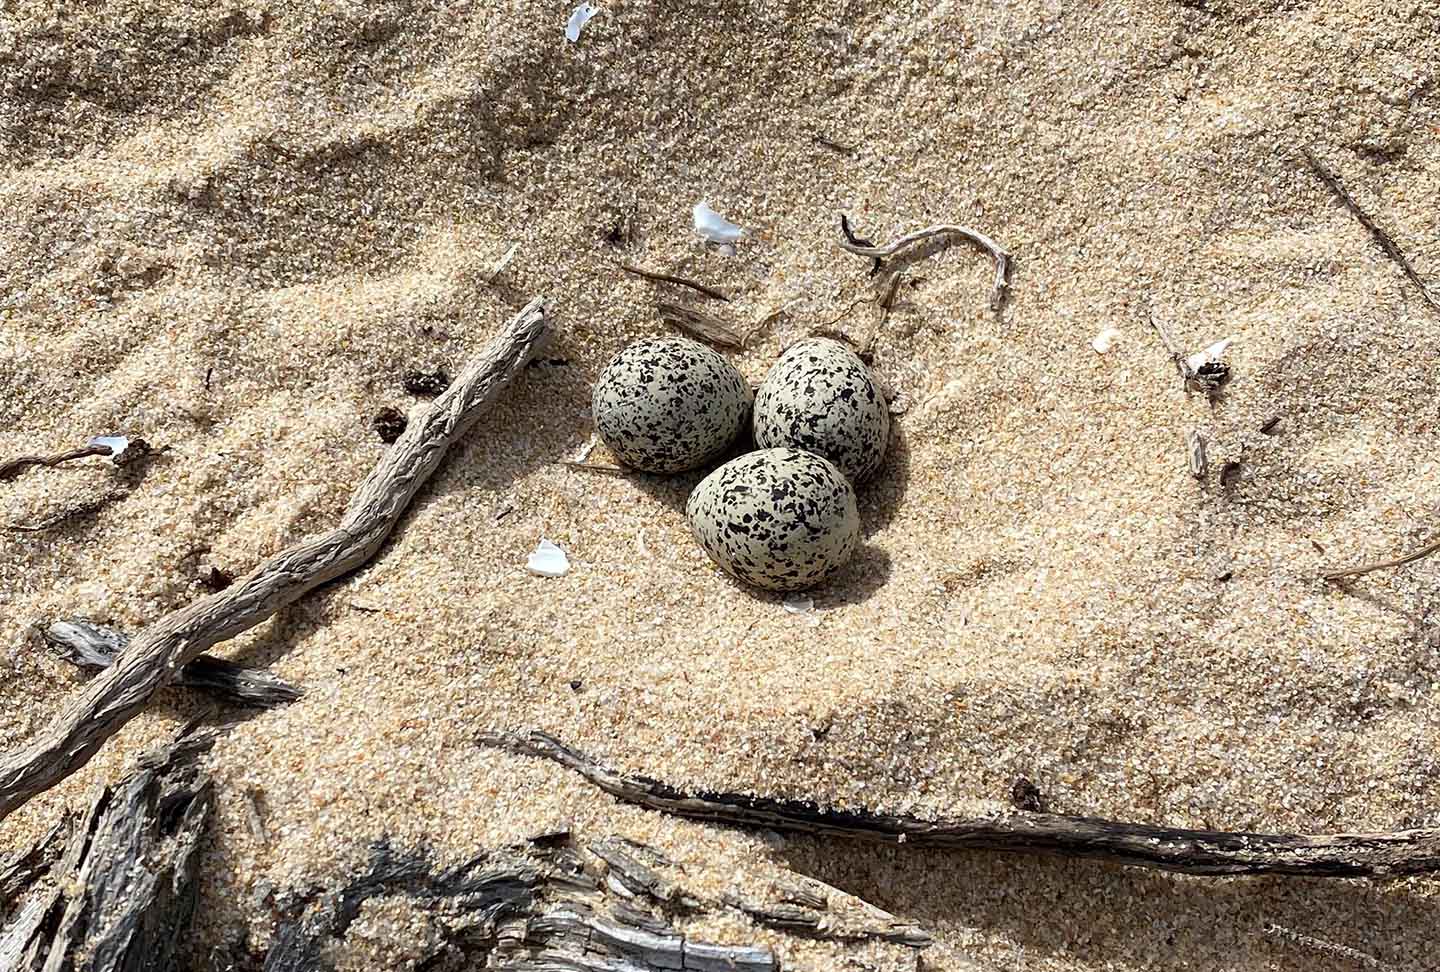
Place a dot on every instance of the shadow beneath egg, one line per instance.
(866, 573)
(879, 499)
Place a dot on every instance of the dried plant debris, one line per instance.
(700, 325)
(389, 423)
(427, 383)
(1025, 795)
(655, 275)
(124, 892)
(927, 242)
(1385, 241)
(537, 907)
(112, 446)
(1271, 426)
(1320, 945)
(93, 647)
(1195, 446)
(1401, 561)
(1201, 852)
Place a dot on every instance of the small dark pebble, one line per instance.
(388, 423)
(215, 579)
(1224, 576)
(425, 382)
(576, 685)
(1026, 796)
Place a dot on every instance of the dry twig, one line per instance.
(1323, 947)
(907, 250)
(1424, 551)
(13, 467)
(1205, 852)
(157, 653)
(1392, 250)
(670, 278)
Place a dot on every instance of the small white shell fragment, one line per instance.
(587, 448)
(1200, 359)
(714, 227)
(548, 560)
(502, 263)
(798, 604)
(579, 17)
(1105, 340)
(117, 444)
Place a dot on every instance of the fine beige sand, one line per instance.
(231, 229)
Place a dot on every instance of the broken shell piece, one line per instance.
(798, 604)
(1105, 340)
(117, 444)
(579, 17)
(548, 560)
(1210, 355)
(714, 227)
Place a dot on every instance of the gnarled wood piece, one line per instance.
(92, 647)
(1206, 852)
(159, 651)
(123, 895)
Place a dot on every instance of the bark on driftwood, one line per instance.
(518, 910)
(1205, 852)
(93, 647)
(122, 895)
(159, 651)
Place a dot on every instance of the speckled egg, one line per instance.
(665, 405)
(779, 519)
(820, 397)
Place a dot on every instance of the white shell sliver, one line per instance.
(548, 560)
(713, 227)
(579, 17)
(1105, 340)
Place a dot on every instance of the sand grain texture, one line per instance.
(232, 230)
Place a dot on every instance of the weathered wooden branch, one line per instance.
(122, 896)
(1207, 852)
(13, 467)
(159, 651)
(93, 647)
(517, 911)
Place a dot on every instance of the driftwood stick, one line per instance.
(1424, 551)
(1386, 242)
(898, 257)
(1208, 852)
(159, 651)
(700, 325)
(708, 291)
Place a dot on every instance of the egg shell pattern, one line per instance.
(820, 397)
(778, 519)
(666, 405)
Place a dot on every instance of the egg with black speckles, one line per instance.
(777, 519)
(819, 397)
(665, 405)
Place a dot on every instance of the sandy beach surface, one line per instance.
(231, 229)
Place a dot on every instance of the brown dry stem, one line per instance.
(158, 652)
(1201, 852)
(1424, 551)
(708, 291)
(1385, 241)
(907, 249)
